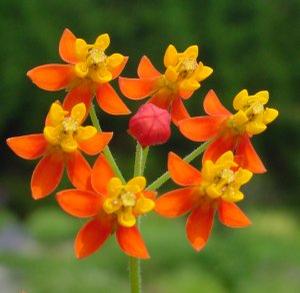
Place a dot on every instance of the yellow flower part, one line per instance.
(64, 129)
(127, 201)
(183, 71)
(94, 64)
(223, 180)
(252, 116)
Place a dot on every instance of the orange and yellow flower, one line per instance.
(215, 188)
(232, 131)
(87, 73)
(183, 75)
(113, 207)
(60, 144)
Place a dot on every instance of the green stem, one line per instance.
(166, 176)
(106, 150)
(134, 263)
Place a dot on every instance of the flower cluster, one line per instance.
(100, 193)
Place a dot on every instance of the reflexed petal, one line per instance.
(51, 77)
(178, 111)
(171, 56)
(247, 157)
(176, 203)
(85, 133)
(109, 101)
(231, 215)
(80, 94)
(102, 42)
(101, 175)
(67, 50)
(201, 128)
(28, 147)
(79, 203)
(136, 184)
(181, 172)
(146, 69)
(92, 236)
(213, 106)
(78, 112)
(47, 175)
(96, 144)
(199, 225)
(131, 242)
(161, 100)
(135, 88)
(79, 171)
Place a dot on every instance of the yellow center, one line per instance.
(127, 201)
(221, 180)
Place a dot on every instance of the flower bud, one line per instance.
(150, 125)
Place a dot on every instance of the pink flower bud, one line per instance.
(150, 125)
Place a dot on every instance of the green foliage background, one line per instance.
(250, 44)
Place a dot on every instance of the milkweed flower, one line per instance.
(113, 208)
(150, 125)
(87, 73)
(215, 188)
(232, 131)
(59, 145)
(183, 75)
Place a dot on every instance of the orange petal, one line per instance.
(96, 144)
(247, 157)
(91, 237)
(185, 94)
(28, 147)
(199, 225)
(231, 215)
(80, 94)
(131, 242)
(52, 77)
(150, 194)
(79, 171)
(47, 175)
(163, 102)
(79, 203)
(176, 203)
(181, 172)
(178, 111)
(109, 101)
(218, 147)
(101, 174)
(213, 106)
(135, 88)
(67, 47)
(201, 128)
(118, 70)
(146, 69)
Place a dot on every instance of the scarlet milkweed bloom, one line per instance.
(232, 131)
(87, 74)
(113, 207)
(182, 77)
(150, 125)
(60, 144)
(215, 188)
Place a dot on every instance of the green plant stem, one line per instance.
(106, 150)
(134, 263)
(166, 176)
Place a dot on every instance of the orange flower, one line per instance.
(87, 74)
(216, 187)
(232, 131)
(113, 207)
(60, 145)
(182, 77)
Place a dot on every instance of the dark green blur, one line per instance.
(249, 44)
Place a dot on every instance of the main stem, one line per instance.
(134, 263)
(106, 151)
(166, 176)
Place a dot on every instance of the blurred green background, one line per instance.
(250, 44)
